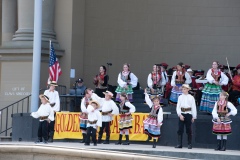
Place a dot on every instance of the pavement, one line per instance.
(161, 152)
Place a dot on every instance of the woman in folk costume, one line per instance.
(221, 120)
(154, 82)
(179, 77)
(84, 115)
(154, 121)
(212, 89)
(125, 122)
(101, 81)
(126, 81)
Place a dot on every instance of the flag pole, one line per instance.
(36, 64)
(49, 78)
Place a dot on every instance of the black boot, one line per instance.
(218, 145)
(39, 140)
(127, 140)
(154, 143)
(99, 139)
(84, 138)
(189, 141)
(107, 140)
(119, 140)
(179, 142)
(50, 139)
(224, 142)
(149, 138)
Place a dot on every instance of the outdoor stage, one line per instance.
(25, 129)
(74, 151)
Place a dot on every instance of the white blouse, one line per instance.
(186, 101)
(233, 109)
(132, 108)
(187, 76)
(94, 115)
(150, 81)
(53, 98)
(134, 80)
(93, 97)
(106, 106)
(150, 104)
(223, 79)
(83, 105)
(164, 78)
(44, 110)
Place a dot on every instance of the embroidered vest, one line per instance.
(154, 111)
(222, 109)
(123, 108)
(180, 77)
(126, 78)
(216, 76)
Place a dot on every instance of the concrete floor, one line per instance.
(160, 151)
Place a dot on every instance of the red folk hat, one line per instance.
(186, 66)
(165, 65)
(238, 67)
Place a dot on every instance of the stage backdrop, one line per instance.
(67, 126)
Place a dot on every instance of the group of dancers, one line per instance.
(124, 110)
(213, 100)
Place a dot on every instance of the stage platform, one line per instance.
(75, 151)
(25, 129)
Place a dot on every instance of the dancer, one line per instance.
(84, 115)
(101, 81)
(126, 81)
(109, 109)
(153, 123)
(179, 77)
(154, 82)
(187, 113)
(164, 77)
(221, 120)
(212, 89)
(45, 115)
(54, 100)
(125, 122)
(94, 121)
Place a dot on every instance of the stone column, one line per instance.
(26, 21)
(9, 19)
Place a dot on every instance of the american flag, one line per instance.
(54, 67)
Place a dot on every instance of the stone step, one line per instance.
(138, 96)
(138, 100)
(141, 91)
(6, 138)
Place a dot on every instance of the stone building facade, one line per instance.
(90, 33)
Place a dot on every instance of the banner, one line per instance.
(67, 126)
